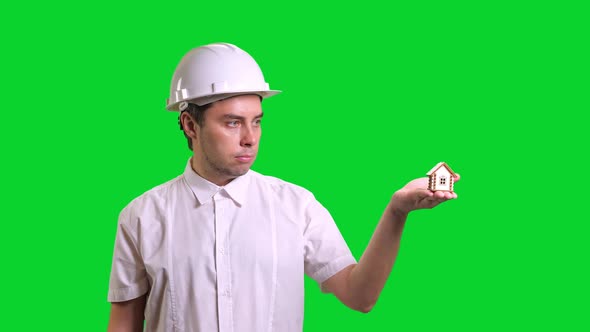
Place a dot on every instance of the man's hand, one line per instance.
(415, 196)
(358, 286)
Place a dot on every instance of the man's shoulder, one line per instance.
(154, 198)
(280, 186)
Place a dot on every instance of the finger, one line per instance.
(449, 195)
(457, 177)
(439, 195)
(423, 193)
(442, 196)
(428, 203)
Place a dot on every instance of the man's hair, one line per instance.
(198, 114)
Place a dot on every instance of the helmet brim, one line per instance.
(211, 98)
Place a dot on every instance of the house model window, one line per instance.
(441, 178)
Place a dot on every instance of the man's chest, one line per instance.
(221, 242)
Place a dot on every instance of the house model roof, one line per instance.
(439, 165)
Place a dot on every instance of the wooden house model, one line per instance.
(441, 178)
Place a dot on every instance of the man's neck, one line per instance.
(218, 181)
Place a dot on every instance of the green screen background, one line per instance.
(375, 94)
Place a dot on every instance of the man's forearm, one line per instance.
(368, 277)
(127, 316)
(359, 286)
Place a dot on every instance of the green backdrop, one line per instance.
(375, 94)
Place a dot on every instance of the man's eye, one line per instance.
(233, 123)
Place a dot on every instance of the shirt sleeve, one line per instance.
(128, 276)
(326, 252)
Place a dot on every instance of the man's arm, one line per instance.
(358, 286)
(127, 316)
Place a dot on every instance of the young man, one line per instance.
(223, 248)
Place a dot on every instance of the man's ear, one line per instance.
(189, 125)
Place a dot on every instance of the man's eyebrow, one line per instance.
(239, 117)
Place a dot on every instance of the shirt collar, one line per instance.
(204, 190)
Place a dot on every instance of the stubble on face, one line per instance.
(220, 168)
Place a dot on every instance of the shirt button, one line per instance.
(227, 293)
(222, 251)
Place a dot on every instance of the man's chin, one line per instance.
(239, 171)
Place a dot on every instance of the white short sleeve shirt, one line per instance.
(229, 258)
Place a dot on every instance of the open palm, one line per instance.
(416, 196)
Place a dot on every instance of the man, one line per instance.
(223, 248)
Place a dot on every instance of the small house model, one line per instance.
(441, 178)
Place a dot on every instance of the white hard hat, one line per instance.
(213, 72)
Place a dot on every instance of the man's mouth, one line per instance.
(245, 158)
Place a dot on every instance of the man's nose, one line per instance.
(249, 136)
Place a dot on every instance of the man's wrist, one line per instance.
(398, 217)
(396, 214)
(396, 208)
